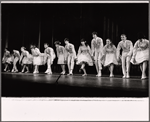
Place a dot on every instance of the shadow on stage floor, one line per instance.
(42, 85)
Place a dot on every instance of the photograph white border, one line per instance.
(83, 109)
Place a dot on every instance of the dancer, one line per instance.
(16, 55)
(70, 55)
(38, 59)
(141, 54)
(84, 56)
(61, 56)
(97, 47)
(109, 57)
(26, 59)
(7, 60)
(127, 47)
(50, 56)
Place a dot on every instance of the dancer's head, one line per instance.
(109, 42)
(123, 37)
(66, 40)
(46, 45)
(83, 42)
(13, 51)
(6, 49)
(94, 34)
(32, 46)
(57, 43)
(23, 48)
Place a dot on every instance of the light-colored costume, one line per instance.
(50, 55)
(38, 57)
(7, 58)
(60, 54)
(127, 47)
(97, 49)
(16, 56)
(141, 51)
(109, 53)
(26, 57)
(70, 55)
(84, 56)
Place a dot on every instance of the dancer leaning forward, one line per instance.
(141, 54)
(70, 55)
(109, 58)
(97, 49)
(26, 59)
(61, 56)
(49, 56)
(38, 58)
(7, 60)
(84, 56)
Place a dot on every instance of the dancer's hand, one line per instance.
(134, 61)
(92, 58)
(76, 59)
(65, 61)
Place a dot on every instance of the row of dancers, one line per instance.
(107, 55)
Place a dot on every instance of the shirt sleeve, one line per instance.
(73, 50)
(52, 53)
(118, 49)
(101, 44)
(66, 53)
(92, 47)
(131, 49)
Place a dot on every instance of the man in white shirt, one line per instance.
(70, 55)
(97, 47)
(127, 47)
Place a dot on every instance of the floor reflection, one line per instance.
(74, 80)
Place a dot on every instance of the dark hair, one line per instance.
(46, 44)
(6, 48)
(94, 33)
(33, 45)
(83, 40)
(57, 42)
(66, 39)
(124, 35)
(111, 43)
(23, 48)
(141, 35)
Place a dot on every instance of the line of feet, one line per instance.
(63, 73)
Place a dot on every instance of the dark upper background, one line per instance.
(22, 23)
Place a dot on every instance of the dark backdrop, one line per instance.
(23, 24)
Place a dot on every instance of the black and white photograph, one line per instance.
(75, 51)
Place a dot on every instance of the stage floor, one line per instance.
(43, 85)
